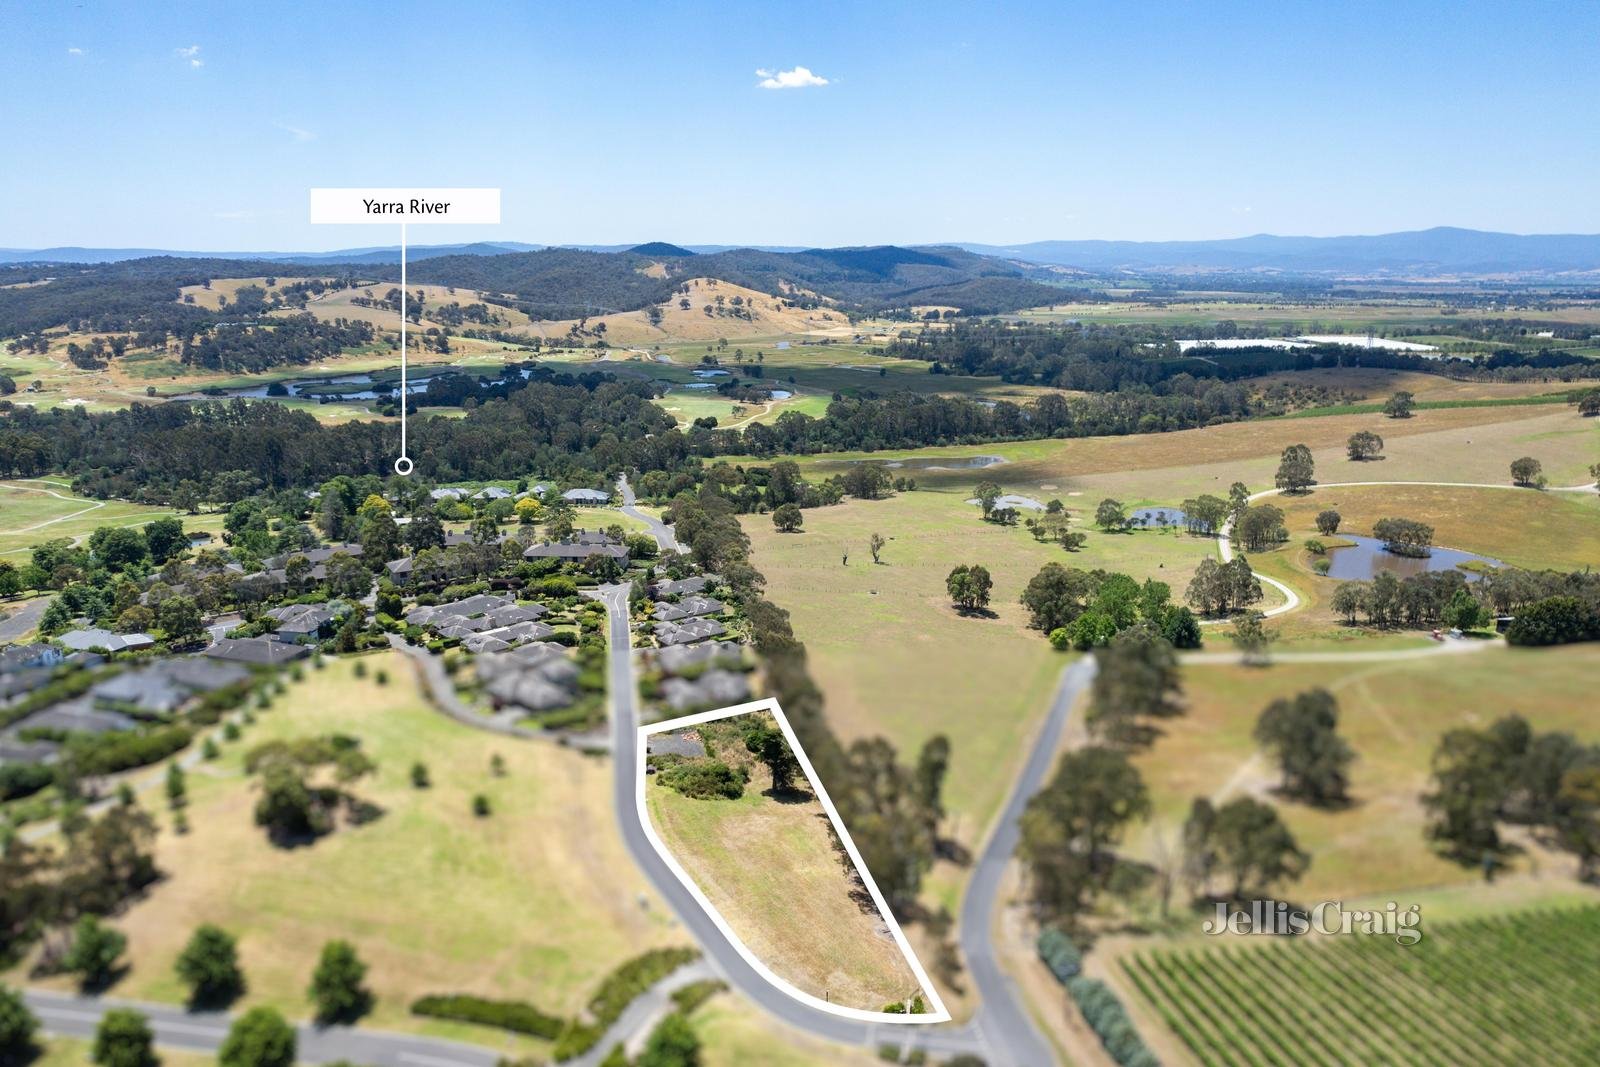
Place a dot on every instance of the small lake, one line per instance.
(937, 463)
(1363, 560)
(1156, 517)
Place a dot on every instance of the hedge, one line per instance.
(515, 1015)
(1060, 954)
(112, 752)
(1109, 1020)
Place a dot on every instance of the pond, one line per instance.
(1363, 560)
(1155, 517)
(937, 463)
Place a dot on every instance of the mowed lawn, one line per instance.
(1392, 714)
(769, 867)
(894, 656)
(35, 510)
(538, 901)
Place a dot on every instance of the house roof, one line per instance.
(258, 651)
(688, 632)
(83, 640)
(689, 607)
(589, 495)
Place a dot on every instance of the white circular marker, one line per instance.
(403, 465)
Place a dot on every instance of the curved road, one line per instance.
(1001, 1031)
(658, 529)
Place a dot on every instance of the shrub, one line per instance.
(515, 1015)
(703, 780)
(23, 779)
(1109, 1020)
(109, 753)
(618, 990)
(336, 987)
(693, 995)
(480, 806)
(1059, 954)
(1316, 547)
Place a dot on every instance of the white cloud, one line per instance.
(797, 78)
(192, 54)
(296, 132)
(74, 51)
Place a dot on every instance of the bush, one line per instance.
(1109, 1020)
(23, 779)
(515, 1015)
(703, 780)
(480, 806)
(109, 753)
(693, 995)
(618, 990)
(1059, 954)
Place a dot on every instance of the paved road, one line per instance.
(26, 618)
(68, 1015)
(1001, 1032)
(658, 529)
(442, 691)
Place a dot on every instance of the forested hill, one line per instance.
(552, 283)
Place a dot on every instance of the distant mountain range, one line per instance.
(376, 254)
(1441, 250)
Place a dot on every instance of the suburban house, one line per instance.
(688, 632)
(688, 608)
(164, 686)
(484, 623)
(449, 492)
(535, 677)
(682, 586)
(20, 657)
(84, 640)
(492, 492)
(581, 545)
(302, 623)
(714, 689)
(586, 496)
(256, 651)
(276, 566)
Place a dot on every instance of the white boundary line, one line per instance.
(940, 1013)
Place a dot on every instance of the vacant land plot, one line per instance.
(1392, 713)
(536, 901)
(1516, 988)
(770, 864)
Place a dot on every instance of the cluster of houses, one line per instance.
(531, 678)
(155, 691)
(484, 623)
(577, 497)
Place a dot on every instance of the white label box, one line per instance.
(410, 206)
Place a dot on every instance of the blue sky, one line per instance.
(203, 125)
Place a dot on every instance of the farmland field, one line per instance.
(1509, 989)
